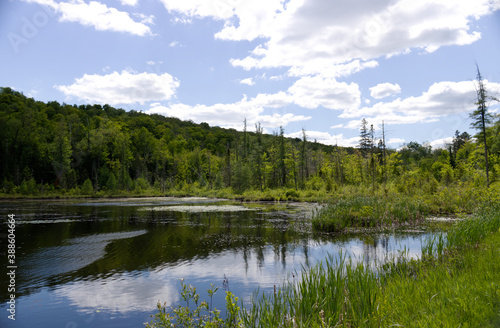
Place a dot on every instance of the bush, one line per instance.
(112, 184)
(28, 187)
(87, 188)
(292, 194)
(142, 183)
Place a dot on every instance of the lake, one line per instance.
(106, 263)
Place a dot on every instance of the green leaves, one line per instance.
(199, 315)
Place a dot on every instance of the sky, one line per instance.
(317, 65)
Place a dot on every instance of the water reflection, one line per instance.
(77, 253)
(104, 264)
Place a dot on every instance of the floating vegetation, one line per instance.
(200, 208)
(442, 219)
(43, 221)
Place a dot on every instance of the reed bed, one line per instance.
(456, 283)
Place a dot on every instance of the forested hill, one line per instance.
(61, 146)
(52, 148)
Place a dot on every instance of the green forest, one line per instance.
(52, 149)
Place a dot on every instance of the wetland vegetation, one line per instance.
(69, 151)
(455, 283)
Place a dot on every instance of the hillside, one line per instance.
(91, 149)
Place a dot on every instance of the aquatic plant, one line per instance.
(368, 211)
(455, 283)
(199, 208)
(201, 315)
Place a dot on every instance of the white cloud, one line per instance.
(120, 294)
(244, 19)
(129, 2)
(395, 141)
(99, 15)
(442, 98)
(383, 90)
(326, 68)
(307, 92)
(32, 93)
(337, 126)
(247, 81)
(218, 9)
(441, 143)
(276, 78)
(231, 115)
(315, 36)
(326, 138)
(122, 88)
(334, 39)
(311, 92)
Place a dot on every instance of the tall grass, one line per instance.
(442, 289)
(368, 211)
(455, 284)
(334, 292)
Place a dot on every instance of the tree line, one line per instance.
(87, 149)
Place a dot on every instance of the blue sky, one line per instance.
(318, 65)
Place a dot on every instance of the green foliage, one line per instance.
(451, 287)
(448, 287)
(61, 146)
(112, 183)
(368, 211)
(141, 184)
(196, 313)
(28, 187)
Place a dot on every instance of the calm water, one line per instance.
(107, 263)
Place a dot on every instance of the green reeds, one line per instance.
(335, 292)
(455, 284)
(368, 211)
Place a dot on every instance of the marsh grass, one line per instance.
(456, 289)
(368, 211)
(334, 292)
(456, 283)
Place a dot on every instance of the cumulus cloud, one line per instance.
(122, 88)
(326, 138)
(394, 141)
(319, 41)
(442, 98)
(441, 143)
(383, 90)
(229, 115)
(120, 294)
(99, 15)
(312, 92)
(306, 92)
(244, 19)
(247, 81)
(315, 36)
(129, 2)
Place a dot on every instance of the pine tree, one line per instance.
(482, 118)
(364, 139)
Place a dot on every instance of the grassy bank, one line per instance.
(360, 200)
(456, 283)
(351, 212)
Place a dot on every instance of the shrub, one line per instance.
(112, 184)
(87, 187)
